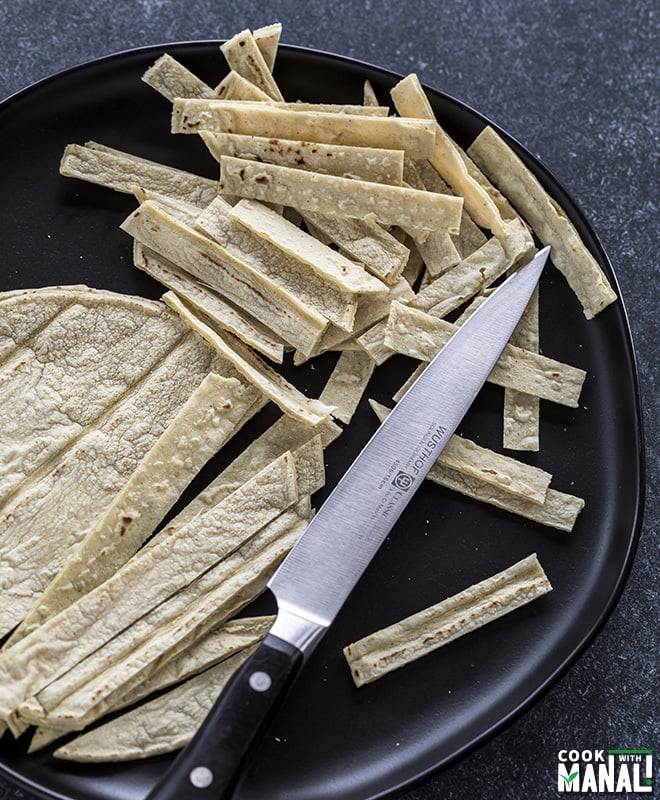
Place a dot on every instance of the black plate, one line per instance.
(331, 740)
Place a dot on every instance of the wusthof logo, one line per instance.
(402, 481)
(624, 771)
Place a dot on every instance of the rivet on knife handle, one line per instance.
(208, 767)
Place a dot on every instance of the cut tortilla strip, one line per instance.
(100, 682)
(365, 241)
(372, 341)
(212, 264)
(171, 79)
(521, 411)
(369, 95)
(200, 428)
(267, 39)
(559, 510)
(466, 279)
(404, 642)
(300, 246)
(244, 57)
(306, 286)
(122, 171)
(219, 311)
(334, 108)
(154, 575)
(213, 648)
(481, 464)
(347, 383)
(416, 137)
(371, 309)
(92, 465)
(330, 194)
(235, 87)
(284, 434)
(547, 218)
(364, 163)
(411, 101)
(470, 237)
(162, 725)
(419, 335)
(271, 383)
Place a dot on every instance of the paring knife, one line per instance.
(317, 576)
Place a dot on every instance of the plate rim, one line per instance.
(634, 534)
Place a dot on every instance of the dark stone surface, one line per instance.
(577, 83)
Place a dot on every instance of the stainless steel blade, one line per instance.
(317, 576)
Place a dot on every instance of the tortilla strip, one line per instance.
(171, 79)
(227, 274)
(214, 647)
(419, 335)
(271, 383)
(463, 281)
(80, 485)
(372, 341)
(310, 288)
(371, 309)
(99, 684)
(411, 101)
(159, 726)
(267, 39)
(521, 411)
(365, 241)
(347, 383)
(27, 667)
(369, 95)
(411, 638)
(294, 243)
(438, 252)
(471, 236)
(286, 433)
(547, 218)
(330, 194)
(365, 163)
(559, 510)
(200, 428)
(121, 172)
(235, 87)
(244, 57)
(415, 137)
(481, 464)
(222, 313)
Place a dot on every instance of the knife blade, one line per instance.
(314, 580)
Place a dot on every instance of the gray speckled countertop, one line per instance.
(577, 82)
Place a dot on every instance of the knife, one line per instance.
(317, 576)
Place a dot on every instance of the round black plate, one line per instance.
(331, 740)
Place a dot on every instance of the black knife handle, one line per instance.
(208, 767)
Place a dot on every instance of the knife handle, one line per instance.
(208, 767)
